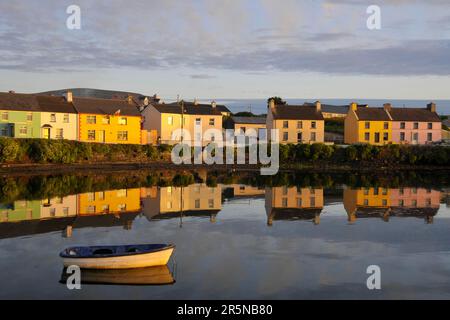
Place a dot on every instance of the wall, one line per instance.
(70, 129)
(422, 132)
(16, 119)
(306, 130)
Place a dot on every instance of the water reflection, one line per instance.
(388, 202)
(120, 207)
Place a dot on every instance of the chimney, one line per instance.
(272, 104)
(195, 102)
(213, 104)
(387, 106)
(11, 91)
(431, 106)
(318, 106)
(353, 106)
(130, 99)
(69, 96)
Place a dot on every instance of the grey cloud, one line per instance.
(202, 76)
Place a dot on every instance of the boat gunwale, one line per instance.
(64, 255)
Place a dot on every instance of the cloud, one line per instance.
(202, 76)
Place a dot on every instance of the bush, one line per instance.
(9, 150)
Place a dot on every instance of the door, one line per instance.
(101, 135)
(46, 133)
(377, 137)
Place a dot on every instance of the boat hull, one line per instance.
(151, 259)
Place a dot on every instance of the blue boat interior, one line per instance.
(112, 251)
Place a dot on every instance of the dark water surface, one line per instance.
(283, 238)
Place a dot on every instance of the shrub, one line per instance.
(9, 150)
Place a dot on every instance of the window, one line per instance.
(313, 136)
(414, 203)
(101, 195)
(211, 203)
(299, 202)
(416, 125)
(5, 116)
(169, 205)
(122, 207)
(53, 117)
(66, 118)
(299, 137)
(105, 208)
(91, 119)
(242, 130)
(299, 125)
(123, 121)
(386, 125)
(5, 132)
(366, 191)
(106, 120)
(367, 136)
(415, 137)
(59, 134)
(402, 125)
(91, 135)
(91, 196)
(402, 136)
(285, 190)
(430, 125)
(122, 135)
(90, 209)
(401, 203)
(385, 136)
(198, 121)
(52, 212)
(212, 121)
(367, 125)
(312, 202)
(384, 202)
(428, 202)
(23, 130)
(429, 136)
(285, 136)
(122, 193)
(170, 121)
(366, 202)
(197, 203)
(313, 125)
(66, 211)
(284, 202)
(29, 116)
(285, 124)
(384, 191)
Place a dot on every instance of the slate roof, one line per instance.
(34, 103)
(372, 114)
(200, 109)
(292, 112)
(249, 120)
(105, 106)
(414, 114)
(220, 107)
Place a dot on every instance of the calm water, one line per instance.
(297, 236)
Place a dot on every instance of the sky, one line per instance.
(229, 48)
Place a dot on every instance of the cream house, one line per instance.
(198, 122)
(296, 124)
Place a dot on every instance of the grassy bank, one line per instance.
(22, 152)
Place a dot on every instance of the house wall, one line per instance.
(133, 127)
(422, 132)
(351, 128)
(249, 126)
(18, 119)
(306, 130)
(289, 197)
(20, 210)
(70, 129)
(375, 127)
(59, 207)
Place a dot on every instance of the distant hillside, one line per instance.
(95, 93)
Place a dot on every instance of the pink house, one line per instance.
(415, 198)
(415, 126)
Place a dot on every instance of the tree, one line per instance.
(278, 100)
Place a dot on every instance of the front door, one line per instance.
(377, 137)
(46, 133)
(101, 135)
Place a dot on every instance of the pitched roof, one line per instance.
(249, 120)
(220, 107)
(372, 114)
(105, 106)
(413, 114)
(291, 112)
(200, 109)
(34, 103)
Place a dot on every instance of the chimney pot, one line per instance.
(272, 104)
(387, 106)
(213, 104)
(11, 91)
(353, 106)
(69, 96)
(318, 106)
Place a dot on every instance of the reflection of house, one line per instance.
(293, 203)
(110, 201)
(246, 191)
(384, 203)
(193, 200)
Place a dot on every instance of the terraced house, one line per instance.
(36, 116)
(367, 125)
(198, 120)
(108, 120)
(392, 125)
(296, 124)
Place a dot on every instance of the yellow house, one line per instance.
(367, 125)
(109, 202)
(293, 203)
(244, 125)
(108, 120)
(198, 120)
(296, 124)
